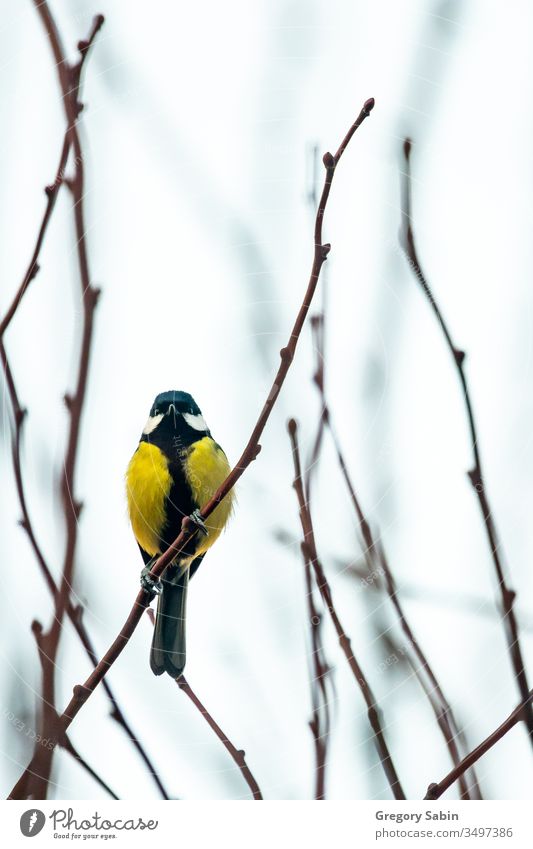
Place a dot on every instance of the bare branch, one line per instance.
(378, 566)
(441, 707)
(476, 476)
(320, 672)
(69, 78)
(435, 791)
(238, 755)
(310, 554)
(52, 192)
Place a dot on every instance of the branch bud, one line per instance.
(93, 293)
(37, 629)
(20, 415)
(78, 613)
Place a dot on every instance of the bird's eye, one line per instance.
(155, 412)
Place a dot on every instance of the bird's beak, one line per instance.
(172, 410)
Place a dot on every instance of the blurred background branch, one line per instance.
(475, 474)
(310, 555)
(379, 569)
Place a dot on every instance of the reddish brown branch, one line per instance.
(310, 554)
(320, 671)
(438, 701)
(52, 192)
(74, 612)
(378, 566)
(69, 78)
(376, 560)
(237, 754)
(320, 722)
(19, 413)
(82, 692)
(66, 744)
(476, 476)
(116, 712)
(435, 791)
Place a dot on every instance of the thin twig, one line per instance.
(52, 191)
(378, 565)
(66, 744)
(475, 475)
(435, 791)
(434, 692)
(320, 671)
(81, 693)
(238, 755)
(310, 554)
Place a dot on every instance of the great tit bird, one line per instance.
(175, 470)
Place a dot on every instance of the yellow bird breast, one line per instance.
(206, 467)
(148, 484)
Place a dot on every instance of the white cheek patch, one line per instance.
(152, 423)
(195, 421)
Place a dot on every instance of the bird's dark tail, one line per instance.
(168, 644)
